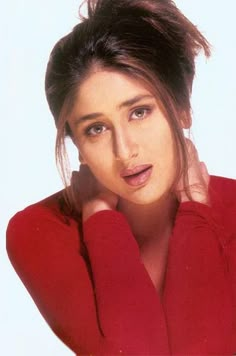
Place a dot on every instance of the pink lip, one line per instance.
(138, 175)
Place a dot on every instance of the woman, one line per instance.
(137, 255)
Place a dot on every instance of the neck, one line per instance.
(152, 222)
(152, 226)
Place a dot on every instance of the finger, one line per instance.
(192, 152)
(205, 173)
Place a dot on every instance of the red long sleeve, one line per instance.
(96, 295)
(123, 317)
(200, 319)
(129, 308)
(46, 254)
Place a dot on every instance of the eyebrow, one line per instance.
(134, 100)
(126, 103)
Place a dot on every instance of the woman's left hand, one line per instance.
(198, 179)
(92, 195)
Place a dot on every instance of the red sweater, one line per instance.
(97, 296)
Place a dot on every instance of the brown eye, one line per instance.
(140, 113)
(95, 130)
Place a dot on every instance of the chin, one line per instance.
(146, 198)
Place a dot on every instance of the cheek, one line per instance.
(163, 150)
(98, 157)
(161, 142)
(99, 164)
(93, 152)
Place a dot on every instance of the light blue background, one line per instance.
(29, 29)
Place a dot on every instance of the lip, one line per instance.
(138, 175)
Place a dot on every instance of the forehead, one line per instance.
(105, 88)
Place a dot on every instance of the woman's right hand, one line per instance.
(198, 179)
(93, 196)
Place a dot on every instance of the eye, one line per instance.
(140, 113)
(95, 130)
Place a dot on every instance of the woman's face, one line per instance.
(124, 137)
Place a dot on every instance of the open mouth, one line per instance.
(137, 176)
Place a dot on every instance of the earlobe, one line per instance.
(73, 140)
(81, 159)
(186, 120)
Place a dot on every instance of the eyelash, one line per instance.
(94, 126)
(146, 110)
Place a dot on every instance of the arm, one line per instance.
(129, 308)
(198, 298)
(45, 253)
(126, 314)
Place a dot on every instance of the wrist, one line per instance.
(92, 207)
(198, 196)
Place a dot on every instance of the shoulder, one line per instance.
(223, 191)
(223, 200)
(53, 208)
(223, 186)
(43, 224)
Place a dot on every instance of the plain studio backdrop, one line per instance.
(29, 29)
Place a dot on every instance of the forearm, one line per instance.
(129, 309)
(196, 277)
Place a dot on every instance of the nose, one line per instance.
(125, 146)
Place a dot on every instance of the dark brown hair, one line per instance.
(150, 40)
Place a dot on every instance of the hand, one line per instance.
(198, 179)
(92, 195)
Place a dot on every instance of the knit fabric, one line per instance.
(96, 295)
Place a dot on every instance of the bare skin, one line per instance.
(152, 231)
(119, 138)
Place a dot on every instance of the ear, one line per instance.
(186, 120)
(81, 159)
(73, 140)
